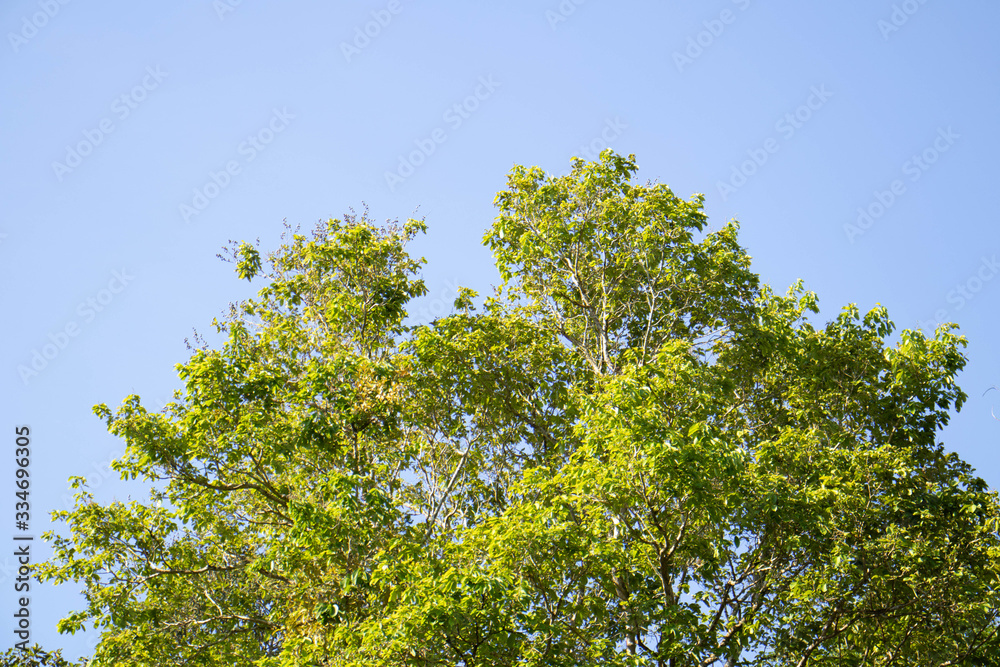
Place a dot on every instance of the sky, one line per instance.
(856, 143)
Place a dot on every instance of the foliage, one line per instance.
(634, 454)
(34, 656)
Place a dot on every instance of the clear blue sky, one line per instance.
(789, 116)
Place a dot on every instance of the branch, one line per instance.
(451, 484)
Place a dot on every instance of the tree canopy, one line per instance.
(33, 656)
(632, 453)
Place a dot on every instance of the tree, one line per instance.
(34, 656)
(635, 454)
